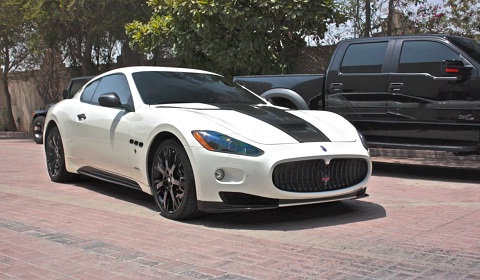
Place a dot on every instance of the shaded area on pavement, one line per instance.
(426, 172)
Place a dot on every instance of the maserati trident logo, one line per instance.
(325, 181)
(325, 177)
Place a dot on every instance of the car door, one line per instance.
(357, 87)
(102, 135)
(426, 106)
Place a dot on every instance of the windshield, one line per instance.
(471, 47)
(156, 87)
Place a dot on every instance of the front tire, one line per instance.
(56, 157)
(173, 183)
(37, 128)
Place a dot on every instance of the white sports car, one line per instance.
(198, 142)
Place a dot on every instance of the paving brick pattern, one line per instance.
(409, 228)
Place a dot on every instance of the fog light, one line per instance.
(219, 174)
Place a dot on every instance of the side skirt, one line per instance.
(108, 177)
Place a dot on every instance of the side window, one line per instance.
(87, 94)
(424, 57)
(114, 83)
(76, 86)
(364, 58)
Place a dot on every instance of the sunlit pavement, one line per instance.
(418, 223)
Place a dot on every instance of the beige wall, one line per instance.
(25, 100)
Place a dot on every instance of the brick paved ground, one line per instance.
(410, 227)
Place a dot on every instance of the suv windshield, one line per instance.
(471, 47)
(157, 87)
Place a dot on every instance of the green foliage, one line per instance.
(234, 37)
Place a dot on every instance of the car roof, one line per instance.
(418, 36)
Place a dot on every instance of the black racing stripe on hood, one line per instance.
(296, 127)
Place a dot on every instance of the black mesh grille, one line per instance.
(316, 176)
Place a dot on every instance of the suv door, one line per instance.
(426, 106)
(356, 86)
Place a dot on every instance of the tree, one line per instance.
(464, 18)
(234, 37)
(13, 38)
(88, 33)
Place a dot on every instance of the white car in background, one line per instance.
(198, 142)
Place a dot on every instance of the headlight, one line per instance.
(218, 142)
(364, 141)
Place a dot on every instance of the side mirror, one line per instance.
(456, 68)
(110, 99)
(65, 94)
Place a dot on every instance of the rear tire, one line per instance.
(56, 157)
(37, 128)
(173, 183)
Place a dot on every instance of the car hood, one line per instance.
(274, 125)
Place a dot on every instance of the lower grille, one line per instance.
(316, 176)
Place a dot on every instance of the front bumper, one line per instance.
(246, 202)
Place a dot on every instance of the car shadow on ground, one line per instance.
(296, 217)
(427, 172)
(116, 191)
(283, 219)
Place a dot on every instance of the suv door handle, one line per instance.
(336, 87)
(396, 87)
(81, 116)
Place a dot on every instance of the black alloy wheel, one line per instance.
(173, 183)
(56, 157)
(37, 128)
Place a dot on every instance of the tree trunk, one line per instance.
(390, 18)
(368, 20)
(11, 126)
(357, 25)
(87, 57)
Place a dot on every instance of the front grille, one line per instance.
(316, 176)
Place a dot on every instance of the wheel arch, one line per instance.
(48, 126)
(286, 94)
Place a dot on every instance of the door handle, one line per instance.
(81, 116)
(396, 87)
(336, 87)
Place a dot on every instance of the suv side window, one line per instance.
(116, 83)
(88, 92)
(364, 58)
(425, 57)
(76, 86)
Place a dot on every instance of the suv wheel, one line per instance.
(37, 128)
